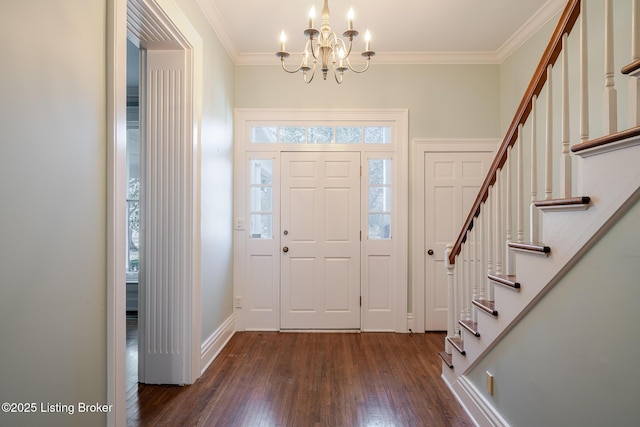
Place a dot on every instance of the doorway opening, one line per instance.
(132, 211)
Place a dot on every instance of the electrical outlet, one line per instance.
(489, 383)
(238, 302)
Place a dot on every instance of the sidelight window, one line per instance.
(379, 199)
(261, 199)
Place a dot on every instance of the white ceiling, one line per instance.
(403, 31)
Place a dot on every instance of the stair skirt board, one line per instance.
(542, 293)
(475, 404)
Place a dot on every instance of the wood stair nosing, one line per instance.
(565, 204)
(470, 326)
(632, 68)
(458, 344)
(611, 139)
(446, 358)
(537, 248)
(486, 306)
(508, 281)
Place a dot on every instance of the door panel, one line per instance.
(320, 258)
(452, 180)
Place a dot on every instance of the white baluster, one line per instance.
(610, 99)
(565, 164)
(634, 85)
(451, 314)
(520, 187)
(584, 75)
(548, 164)
(490, 240)
(476, 264)
(462, 283)
(468, 278)
(498, 229)
(508, 212)
(482, 224)
(534, 225)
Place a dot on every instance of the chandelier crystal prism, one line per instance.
(326, 47)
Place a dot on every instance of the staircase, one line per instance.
(517, 244)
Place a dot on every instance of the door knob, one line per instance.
(430, 252)
(285, 249)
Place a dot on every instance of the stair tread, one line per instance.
(509, 281)
(446, 358)
(486, 306)
(470, 326)
(534, 247)
(458, 344)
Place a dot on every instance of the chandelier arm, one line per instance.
(313, 73)
(288, 70)
(311, 48)
(347, 52)
(362, 70)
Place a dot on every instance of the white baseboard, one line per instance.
(212, 346)
(479, 409)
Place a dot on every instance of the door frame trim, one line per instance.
(419, 147)
(243, 118)
(188, 38)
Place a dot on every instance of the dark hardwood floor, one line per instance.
(307, 379)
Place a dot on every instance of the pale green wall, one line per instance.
(573, 360)
(217, 188)
(516, 72)
(444, 101)
(53, 208)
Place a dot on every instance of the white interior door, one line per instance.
(452, 180)
(320, 240)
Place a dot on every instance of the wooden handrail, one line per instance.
(565, 25)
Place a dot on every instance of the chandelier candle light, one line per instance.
(326, 46)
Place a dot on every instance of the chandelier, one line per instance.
(325, 46)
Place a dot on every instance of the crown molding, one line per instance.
(537, 21)
(547, 12)
(211, 12)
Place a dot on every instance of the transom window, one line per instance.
(321, 135)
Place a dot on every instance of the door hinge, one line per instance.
(361, 235)
(360, 301)
(360, 170)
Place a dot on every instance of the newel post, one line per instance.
(451, 312)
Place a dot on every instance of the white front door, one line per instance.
(452, 180)
(320, 240)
